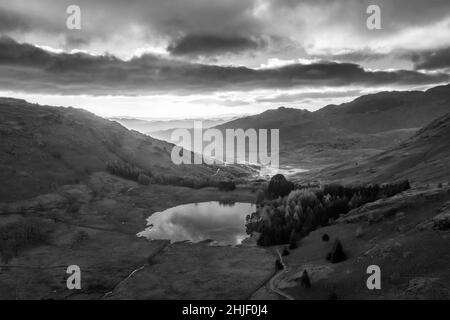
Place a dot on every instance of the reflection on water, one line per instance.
(224, 223)
(284, 170)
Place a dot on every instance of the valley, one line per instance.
(57, 190)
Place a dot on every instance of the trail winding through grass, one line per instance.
(272, 282)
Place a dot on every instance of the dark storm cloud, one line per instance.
(25, 19)
(27, 68)
(195, 44)
(103, 19)
(284, 97)
(431, 59)
(191, 16)
(10, 21)
(216, 27)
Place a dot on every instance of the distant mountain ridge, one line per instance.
(385, 111)
(371, 113)
(149, 126)
(363, 127)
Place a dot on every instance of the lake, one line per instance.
(222, 223)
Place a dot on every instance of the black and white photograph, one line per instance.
(239, 151)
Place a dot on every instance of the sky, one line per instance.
(203, 58)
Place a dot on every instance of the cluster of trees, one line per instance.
(19, 235)
(287, 218)
(193, 182)
(227, 185)
(127, 171)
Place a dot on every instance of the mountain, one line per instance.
(368, 114)
(154, 126)
(422, 158)
(42, 147)
(355, 130)
(386, 111)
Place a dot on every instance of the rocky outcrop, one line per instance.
(442, 221)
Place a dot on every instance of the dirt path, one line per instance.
(272, 285)
(73, 224)
(132, 273)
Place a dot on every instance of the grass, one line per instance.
(20, 235)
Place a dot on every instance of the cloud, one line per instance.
(121, 27)
(213, 45)
(27, 68)
(116, 26)
(395, 15)
(10, 21)
(431, 59)
(290, 97)
(355, 56)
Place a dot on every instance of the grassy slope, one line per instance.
(42, 147)
(422, 158)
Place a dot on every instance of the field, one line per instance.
(100, 237)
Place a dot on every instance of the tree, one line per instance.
(143, 179)
(260, 196)
(228, 185)
(278, 265)
(293, 240)
(356, 200)
(337, 253)
(279, 186)
(332, 295)
(304, 280)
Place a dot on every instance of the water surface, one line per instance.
(220, 222)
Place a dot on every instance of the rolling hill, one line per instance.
(423, 158)
(42, 147)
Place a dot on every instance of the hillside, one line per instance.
(42, 147)
(386, 111)
(363, 127)
(422, 158)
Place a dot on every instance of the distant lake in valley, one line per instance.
(222, 223)
(284, 170)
